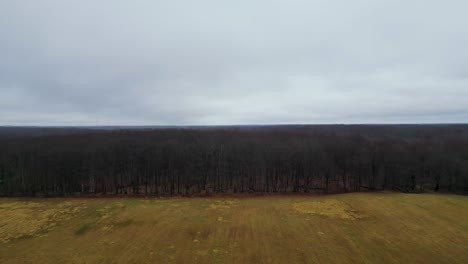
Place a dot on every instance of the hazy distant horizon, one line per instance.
(233, 125)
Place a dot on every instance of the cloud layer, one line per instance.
(214, 62)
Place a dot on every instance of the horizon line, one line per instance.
(231, 125)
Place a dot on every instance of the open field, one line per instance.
(348, 228)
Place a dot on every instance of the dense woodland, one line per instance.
(204, 160)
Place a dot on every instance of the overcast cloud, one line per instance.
(214, 62)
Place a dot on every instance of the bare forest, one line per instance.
(204, 160)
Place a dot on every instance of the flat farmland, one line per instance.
(346, 228)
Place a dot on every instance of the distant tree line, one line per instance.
(166, 162)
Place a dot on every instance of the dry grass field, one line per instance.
(348, 228)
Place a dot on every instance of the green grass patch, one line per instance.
(83, 229)
(124, 223)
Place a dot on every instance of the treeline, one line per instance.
(165, 162)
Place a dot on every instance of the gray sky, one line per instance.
(211, 62)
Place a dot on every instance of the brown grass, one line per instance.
(329, 208)
(20, 219)
(350, 228)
